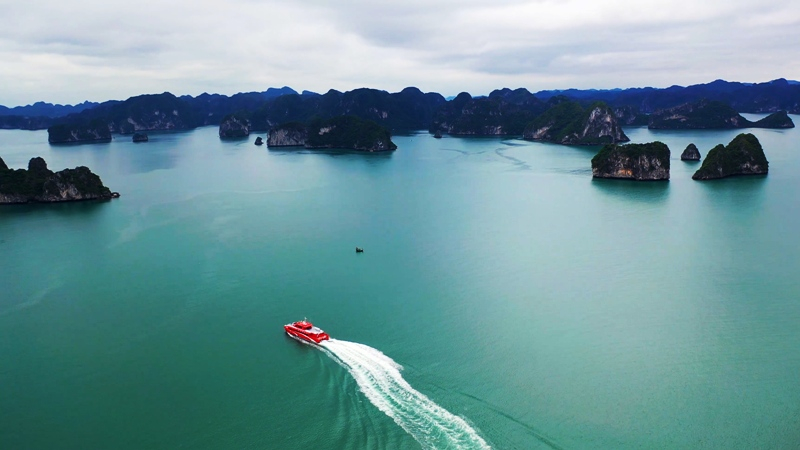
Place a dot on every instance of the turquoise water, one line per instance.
(504, 298)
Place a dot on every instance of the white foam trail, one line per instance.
(378, 377)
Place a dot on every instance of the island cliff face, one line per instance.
(39, 184)
(234, 126)
(691, 153)
(292, 134)
(706, 114)
(94, 131)
(569, 123)
(641, 162)
(345, 132)
(742, 156)
(628, 115)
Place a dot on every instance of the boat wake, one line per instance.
(379, 378)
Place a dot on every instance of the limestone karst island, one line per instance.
(38, 184)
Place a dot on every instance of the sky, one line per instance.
(70, 51)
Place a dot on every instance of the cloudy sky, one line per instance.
(69, 51)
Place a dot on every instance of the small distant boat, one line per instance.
(306, 331)
(438, 134)
(359, 250)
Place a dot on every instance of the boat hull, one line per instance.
(305, 336)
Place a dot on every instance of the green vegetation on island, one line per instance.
(40, 184)
(778, 119)
(704, 114)
(344, 132)
(349, 132)
(504, 112)
(632, 161)
(93, 131)
(711, 114)
(742, 156)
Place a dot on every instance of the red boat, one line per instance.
(306, 331)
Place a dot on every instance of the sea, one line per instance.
(504, 299)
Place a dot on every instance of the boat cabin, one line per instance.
(303, 325)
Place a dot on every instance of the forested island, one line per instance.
(632, 161)
(707, 114)
(742, 156)
(343, 132)
(95, 130)
(38, 184)
(567, 122)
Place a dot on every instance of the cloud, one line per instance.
(71, 51)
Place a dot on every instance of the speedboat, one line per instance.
(306, 331)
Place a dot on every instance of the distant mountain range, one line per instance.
(503, 112)
(772, 96)
(42, 109)
(744, 97)
(409, 109)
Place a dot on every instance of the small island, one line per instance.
(569, 123)
(742, 156)
(234, 126)
(39, 184)
(93, 131)
(776, 120)
(140, 137)
(343, 132)
(259, 141)
(641, 162)
(712, 115)
(691, 153)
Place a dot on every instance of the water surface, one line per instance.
(543, 308)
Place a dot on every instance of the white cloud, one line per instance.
(71, 51)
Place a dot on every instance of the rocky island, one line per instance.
(93, 131)
(234, 126)
(742, 156)
(691, 153)
(707, 114)
(40, 184)
(567, 122)
(344, 132)
(641, 162)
